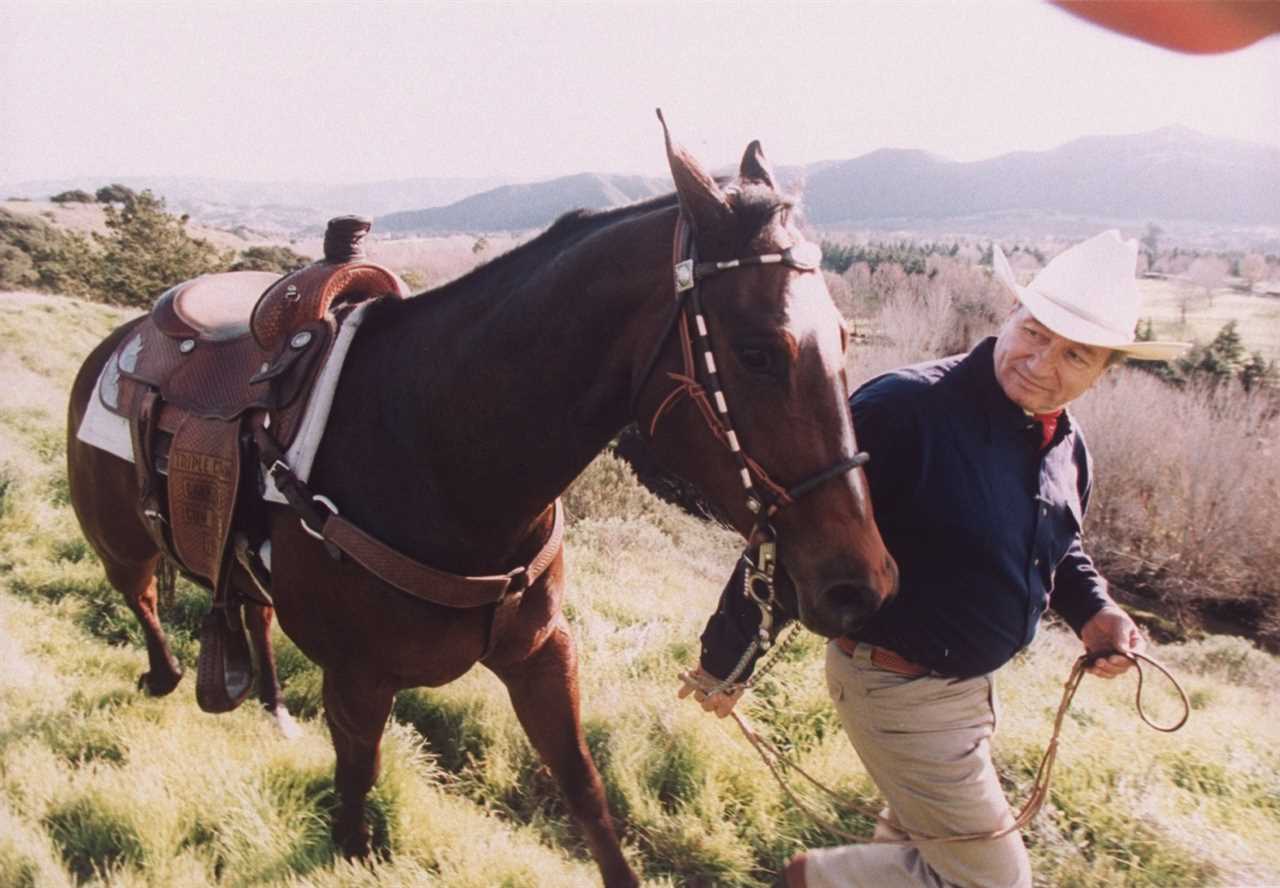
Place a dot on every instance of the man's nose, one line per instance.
(1041, 361)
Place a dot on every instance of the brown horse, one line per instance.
(463, 413)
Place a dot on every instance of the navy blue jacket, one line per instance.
(984, 525)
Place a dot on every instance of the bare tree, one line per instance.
(1253, 268)
(1151, 242)
(1208, 273)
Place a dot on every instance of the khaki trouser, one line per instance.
(926, 742)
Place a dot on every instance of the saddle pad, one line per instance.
(105, 430)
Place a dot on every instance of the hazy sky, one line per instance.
(347, 92)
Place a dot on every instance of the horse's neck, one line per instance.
(489, 403)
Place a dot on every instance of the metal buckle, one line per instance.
(685, 279)
(324, 501)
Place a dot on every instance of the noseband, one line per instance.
(701, 377)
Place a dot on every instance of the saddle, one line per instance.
(220, 360)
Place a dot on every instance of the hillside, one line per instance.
(520, 207)
(1168, 174)
(86, 218)
(100, 785)
(276, 208)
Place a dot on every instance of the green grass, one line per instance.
(101, 785)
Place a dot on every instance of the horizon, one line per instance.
(336, 93)
(104, 179)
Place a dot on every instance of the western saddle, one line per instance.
(221, 359)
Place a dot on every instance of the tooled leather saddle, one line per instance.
(219, 359)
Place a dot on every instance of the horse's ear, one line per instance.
(755, 167)
(700, 196)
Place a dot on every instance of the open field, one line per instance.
(100, 785)
(1258, 316)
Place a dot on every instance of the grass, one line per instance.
(1258, 316)
(101, 785)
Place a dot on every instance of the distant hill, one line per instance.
(1192, 184)
(272, 208)
(518, 207)
(1172, 175)
(1168, 174)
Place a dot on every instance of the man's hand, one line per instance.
(1111, 629)
(698, 681)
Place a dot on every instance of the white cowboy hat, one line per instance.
(1087, 293)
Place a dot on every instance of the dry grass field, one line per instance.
(1258, 316)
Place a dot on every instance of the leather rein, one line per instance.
(700, 381)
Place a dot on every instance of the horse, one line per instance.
(463, 412)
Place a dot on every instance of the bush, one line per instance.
(281, 260)
(147, 250)
(115, 193)
(75, 195)
(35, 255)
(1187, 498)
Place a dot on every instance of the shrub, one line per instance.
(75, 195)
(36, 255)
(115, 193)
(281, 260)
(1187, 496)
(146, 250)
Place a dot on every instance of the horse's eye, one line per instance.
(755, 359)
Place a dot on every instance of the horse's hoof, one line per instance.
(288, 728)
(351, 835)
(355, 847)
(159, 685)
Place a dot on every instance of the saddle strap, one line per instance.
(392, 566)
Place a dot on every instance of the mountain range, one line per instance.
(1172, 176)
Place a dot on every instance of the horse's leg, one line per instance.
(544, 692)
(356, 707)
(258, 620)
(136, 581)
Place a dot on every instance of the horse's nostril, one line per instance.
(850, 604)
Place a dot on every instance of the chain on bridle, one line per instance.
(700, 381)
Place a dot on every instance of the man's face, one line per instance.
(1041, 371)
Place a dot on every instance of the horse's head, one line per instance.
(765, 431)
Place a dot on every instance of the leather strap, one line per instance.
(885, 658)
(434, 585)
(392, 566)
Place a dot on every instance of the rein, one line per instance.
(702, 377)
(778, 763)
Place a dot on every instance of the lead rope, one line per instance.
(777, 763)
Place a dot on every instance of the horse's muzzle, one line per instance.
(842, 608)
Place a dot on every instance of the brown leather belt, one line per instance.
(885, 658)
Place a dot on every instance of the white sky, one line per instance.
(348, 92)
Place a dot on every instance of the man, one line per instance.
(979, 479)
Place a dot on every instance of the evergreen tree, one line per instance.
(147, 250)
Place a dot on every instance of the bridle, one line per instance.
(764, 496)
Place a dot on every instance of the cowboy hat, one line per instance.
(1087, 293)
